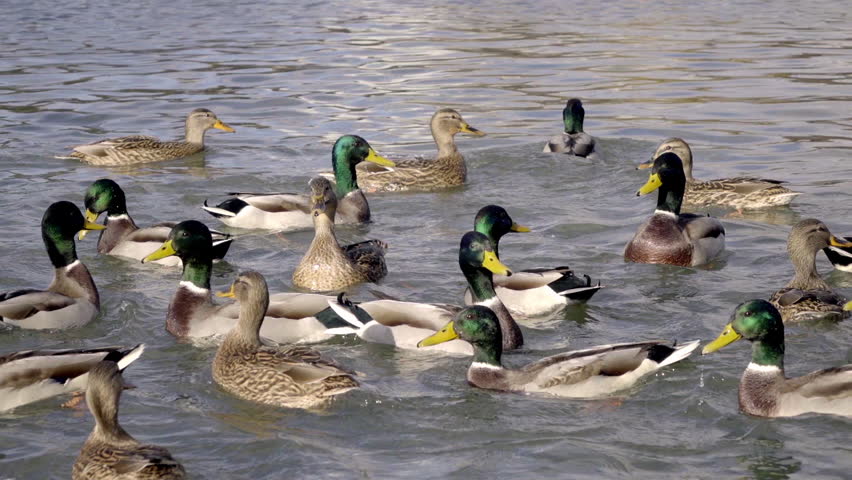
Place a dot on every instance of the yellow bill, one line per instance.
(519, 228)
(229, 294)
(848, 306)
(493, 264)
(90, 224)
(654, 182)
(468, 129)
(223, 126)
(378, 159)
(836, 242)
(166, 250)
(727, 337)
(444, 335)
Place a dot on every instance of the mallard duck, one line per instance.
(293, 377)
(122, 237)
(72, 298)
(537, 291)
(592, 372)
(738, 192)
(326, 266)
(446, 170)
(573, 141)
(840, 257)
(291, 317)
(403, 324)
(807, 296)
(669, 236)
(110, 452)
(144, 149)
(290, 211)
(32, 375)
(764, 389)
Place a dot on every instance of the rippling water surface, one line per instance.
(756, 88)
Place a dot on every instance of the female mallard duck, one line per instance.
(446, 170)
(293, 377)
(110, 452)
(592, 372)
(33, 375)
(537, 291)
(807, 296)
(573, 141)
(72, 299)
(669, 236)
(738, 192)
(764, 389)
(122, 237)
(292, 317)
(326, 266)
(403, 324)
(840, 257)
(144, 149)
(289, 211)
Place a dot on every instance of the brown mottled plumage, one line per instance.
(736, 192)
(295, 376)
(807, 295)
(326, 266)
(143, 149)
(110, 452)
(446, 170)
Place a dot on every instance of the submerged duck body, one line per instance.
(138, 149)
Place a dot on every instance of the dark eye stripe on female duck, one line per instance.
(110, 452)
(143, 149)
(281, 211)
(293, 376)
(403, 324)
(328, 267)
(587, 373)
(764, 389)
(448, 169)
(670, 236)
(530, 292)
(72, 299)
(573, 141)
(737, 192)
(122, 237)
(807, 296)
(291, 317)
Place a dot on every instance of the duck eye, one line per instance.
(748, 313)
(668, 147)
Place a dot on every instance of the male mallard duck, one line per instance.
(669, 236)
(807, 296)
(33, 375)
(110, 452)
(192, 313)
(404, 323)
(764, 389)
(840, 257)
(446, 170)
(122, 237)
(573, 141)
(288, 211)
(326, 266)
(144, 149)
(738, 192)
(293, 377)
(531, 292)
(592, 372)
(72, 299)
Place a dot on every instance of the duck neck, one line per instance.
(324, 238)
(62, 251)
(196, 270)
(670, 198)
(484, 227)
(445, 141)
(481, 283)
(807, 277)
(195, 135)
(105, 411)
(344, 172)
(769, 352)
(573, 122)
(252, 311)
(488, 353)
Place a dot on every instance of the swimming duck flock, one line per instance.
(262, 337)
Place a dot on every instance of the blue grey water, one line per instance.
(760, 88)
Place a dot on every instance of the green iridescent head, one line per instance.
(61, 221)
(477, 325)
(573, 115)
(348, 151)
(494, 222)
(759, 322)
